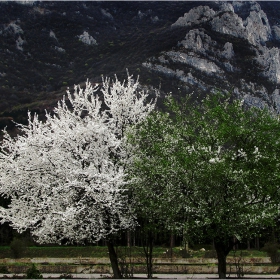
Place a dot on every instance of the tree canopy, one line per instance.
(66, 177)
(211, 166)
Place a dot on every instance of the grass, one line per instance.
(249, 253)
(101, 251)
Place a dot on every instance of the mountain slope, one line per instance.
(194, 46)
(231, 47)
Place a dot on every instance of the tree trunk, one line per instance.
(235, 246)
(150, 263)
(222, 249)
(222, 263)
(257, 243)
(114, 260)
(248, 244)
(128, 238)
(134, 238)
(148, 250)
(172, 242)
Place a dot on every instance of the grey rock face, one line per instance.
(106, 14)
(270, 62)
(229, 23)
(254, 101)
(195, 16)
(12, 28)
(276, 100)
(200, 42)
(179, 74)
(257, 27)
(256, 95)
(87, 39)
(198, 63)
(193, 40)
(217, 59)
(228, 52)
(19, 43)
(276, 32)
(226, 7)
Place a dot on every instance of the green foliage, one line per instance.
(4, 269)
(239, 264)
(33, 273)
(210, 254)
(210, 165)
(185, 254)
(208, 169)
(271, 248)
(125, 261)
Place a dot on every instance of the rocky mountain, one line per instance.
(228, 46)
(181, 46)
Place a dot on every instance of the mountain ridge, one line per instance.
(196, 46)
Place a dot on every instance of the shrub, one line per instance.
(4, 269)
(185, 253)
(271, 248)
(210, 254)
(33, 273)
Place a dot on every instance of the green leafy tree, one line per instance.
(210, 167)
(152, 188)
(33, 273)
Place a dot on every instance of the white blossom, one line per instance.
(66, 176)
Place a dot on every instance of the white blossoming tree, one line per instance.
(66, 176)
(215, 164)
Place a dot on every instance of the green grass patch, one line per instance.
(102, 252)
(248, 254)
